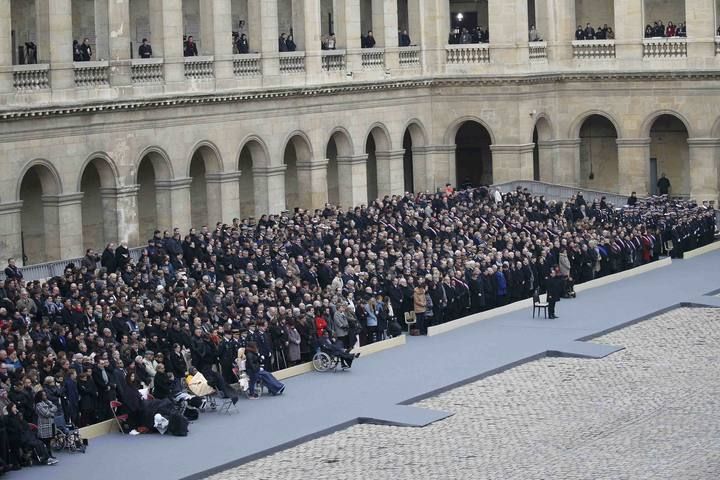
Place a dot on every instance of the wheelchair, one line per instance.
(68, 438)
(324, 360)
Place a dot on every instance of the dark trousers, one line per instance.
(551, 307)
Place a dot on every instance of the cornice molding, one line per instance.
(193, 99)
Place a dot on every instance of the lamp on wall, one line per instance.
(460, 17)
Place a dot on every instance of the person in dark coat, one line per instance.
(12, 272)
(88, 399)
(107, 260)
(162, 383)
(663, 185)
(21, 437)
(554, 286)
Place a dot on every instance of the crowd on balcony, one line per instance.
(659, 30)
(111, 326)
(464, 36)
(603, 32)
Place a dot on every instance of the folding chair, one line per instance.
(227, 406)
(538, 305)
(114, 406)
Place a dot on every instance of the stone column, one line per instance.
(512, 162)
(634, 165)
(629, 28)
(10, 231)
(172, 46)
(63, 226)
(173, 204)
(6, 69)
(102, 29)
(390, 174)
(385, 30)
(567, 164)
(423, 174)
(435, 26)
(347, 32)
(703, 168)
(311, 38)
(312, 184)
(263, 21)
(155, 12)
(352, 176)
(119, 42)
(700, 22)
(223, 196)
(57, 16)
(508, 26)
(217, 39)
(269, 189)
(440, 166)
(123, 225)
(547, 151)
(557, 19)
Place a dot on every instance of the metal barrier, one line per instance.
(43, 271)
(556, 192)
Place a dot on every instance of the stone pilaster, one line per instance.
(102, 29)
(263, 22)
(422, 172)
(312, 184)
(56, 17)
(629, 28)
(63, 226)
(223, 196)
(385, 30)
(173, 204)
(119, 42)
(700, 22)
(155, 12)
(512, 162)
(11, 231)
(347, 34)
(352, 176)
(269, 189)
(390, 174)
(556, 23)
(634, 165)
(548, 152)
(703, 168)
(567, 165)
(121, 222)
(440, 165)
(172, 45)
(508, 32)
(6, 70)
(311, 38)
(216, 34)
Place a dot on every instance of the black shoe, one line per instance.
(357, 354)
(234, 400)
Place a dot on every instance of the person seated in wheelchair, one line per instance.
(256, 372)
(333, 347)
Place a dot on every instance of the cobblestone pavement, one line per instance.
(651, 411)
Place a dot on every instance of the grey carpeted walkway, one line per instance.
(379, 385)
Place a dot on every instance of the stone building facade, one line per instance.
(107, 150)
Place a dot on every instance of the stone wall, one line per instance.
(665, 10)
(597, 12)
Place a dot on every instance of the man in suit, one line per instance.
(554, 286)
(12, 272)
(86, 51)
(663, 185)
(145, 50)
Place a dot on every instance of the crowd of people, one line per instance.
(82, 52)
(603, 32)
(284, 285)
(464, 35)
(659, 30)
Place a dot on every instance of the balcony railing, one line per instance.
(247, 65)
(292, 62)
(670, 47)
(409, 56)
(31, 77)
(593, 49)
(200, 68)
(333, 60)
(147, 71)
(91, 74)
(467, 54)
(537, 51)
(373, 58)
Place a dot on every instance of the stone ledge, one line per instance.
(702, 250)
